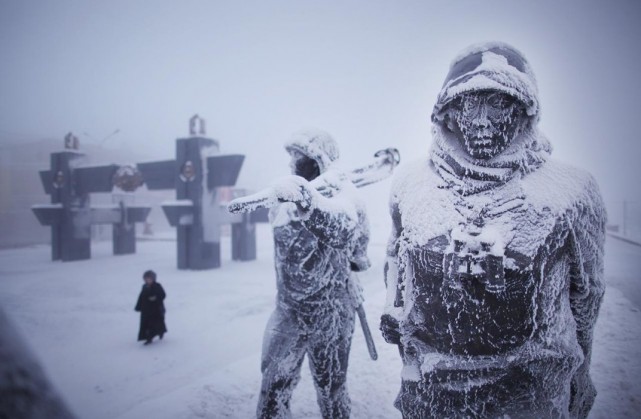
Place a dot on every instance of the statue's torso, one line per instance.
(484, 274)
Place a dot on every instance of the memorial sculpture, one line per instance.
(495, 261)
(70, 214)
(198, 213)
(25, 388)
(197, 174)
(321, 235)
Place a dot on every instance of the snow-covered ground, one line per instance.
(78, 318)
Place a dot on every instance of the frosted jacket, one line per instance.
(495, 267)
(315, 251)
(312, 255)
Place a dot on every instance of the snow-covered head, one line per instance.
(485, 119)
(489, 97)
(490, 66)
(313, 151)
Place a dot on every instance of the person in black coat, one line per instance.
(152, 309)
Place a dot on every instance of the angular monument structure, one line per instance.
(70, 214)
(197, 174)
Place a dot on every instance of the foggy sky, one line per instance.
(368, 72)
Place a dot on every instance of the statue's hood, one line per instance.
(315, 144)
(490, 66)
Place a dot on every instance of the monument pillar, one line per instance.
(70, 215)
(197, 174)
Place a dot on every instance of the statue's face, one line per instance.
(486, 122)
(303, 166)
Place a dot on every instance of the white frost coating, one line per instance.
(494, 72)
(343, 201)
(410, 373)
(430, 361)
(495, 266)
(316, 144)
(318, 239)
(292, 189)
(392, 283)
(424, 215)
(283, 214)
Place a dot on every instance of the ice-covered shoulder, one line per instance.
(346, 201)
(410, 176)
(418, 197)
(560, 186)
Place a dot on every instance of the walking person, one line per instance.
(152, 309)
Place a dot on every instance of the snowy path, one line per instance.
(622, 259)
(79, 319)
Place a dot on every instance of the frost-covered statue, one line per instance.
(319, 240)
(495, 262)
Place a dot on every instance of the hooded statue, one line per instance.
(494, 268)
(318, 241)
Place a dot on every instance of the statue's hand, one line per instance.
(294, 189)
(390, 329)
(287, 189)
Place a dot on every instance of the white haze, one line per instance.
(366, 71)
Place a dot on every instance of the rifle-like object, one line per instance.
(371, 348)
(380, 168)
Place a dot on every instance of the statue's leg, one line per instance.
(533, 389)
(328, 359)
(282, 357)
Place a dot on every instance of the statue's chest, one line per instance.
(479, 235)
(294, 242)
(472, 275)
